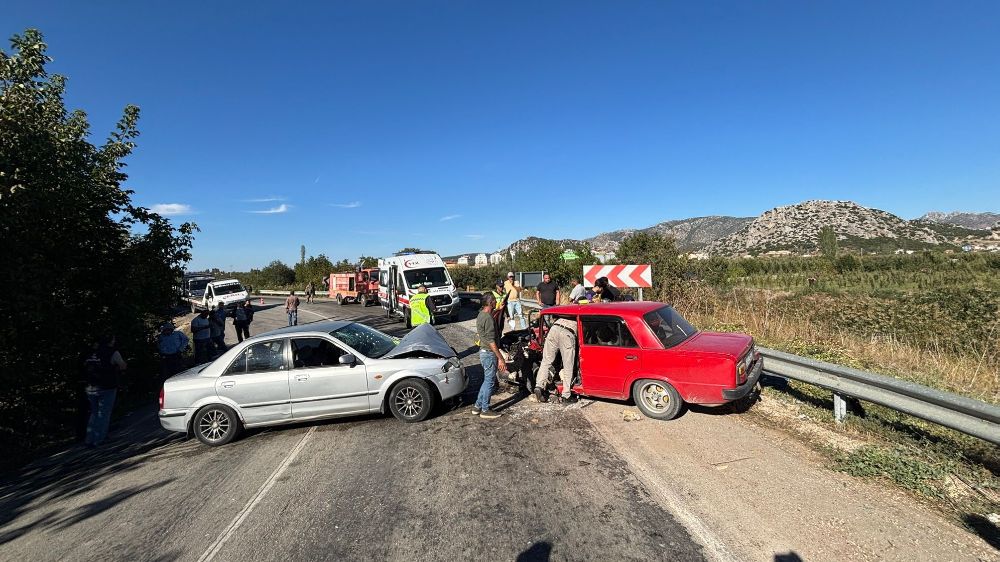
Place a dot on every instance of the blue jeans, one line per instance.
(101, 403)
(202, 350)
(514, 311)
(293, 317)
(489, 361)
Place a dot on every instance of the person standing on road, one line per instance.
(310, 291)
(171, 344)
(512, 290)
(419, 313)
(239, 316)
(201, 332)
(103, 367)
(548, 292)
(242, 316)
(561, 341)
(217, 321)
(578, 291)
(248, 308)
(292, 308)
(489, 357)
(500, 308)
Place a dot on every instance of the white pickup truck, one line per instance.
(229, 292)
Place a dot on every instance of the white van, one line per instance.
(399, 276)
(228, 292)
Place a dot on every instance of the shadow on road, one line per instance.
(538, 552)
(75, 472)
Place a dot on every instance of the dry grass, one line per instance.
(794, 323)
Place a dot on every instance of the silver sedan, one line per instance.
(310, 372)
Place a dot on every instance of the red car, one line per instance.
(647, 352)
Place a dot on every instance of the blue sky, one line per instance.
(462, 126)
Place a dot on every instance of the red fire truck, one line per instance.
(360, 286)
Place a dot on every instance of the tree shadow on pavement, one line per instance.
(76, 471)
(538, 552)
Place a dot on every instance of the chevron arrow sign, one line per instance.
(619, 275)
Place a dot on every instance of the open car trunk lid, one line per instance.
(422, 341)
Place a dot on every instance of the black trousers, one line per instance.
(242, 330)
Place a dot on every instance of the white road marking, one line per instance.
(214, 548)
(315, 313)
(715, 548)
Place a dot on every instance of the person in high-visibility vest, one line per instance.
(419, 313)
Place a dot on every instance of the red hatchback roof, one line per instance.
(598, 308)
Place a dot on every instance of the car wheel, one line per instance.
(411, 400)
(657, 399)
(529, 372)
(406, 318)
(215, 425)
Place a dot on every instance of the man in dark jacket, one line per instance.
(102, 367)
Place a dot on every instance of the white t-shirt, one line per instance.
(576, 293)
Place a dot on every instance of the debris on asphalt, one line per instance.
(631, 415)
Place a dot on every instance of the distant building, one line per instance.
(463, 260)
(967, 248)
(698, 256)
(778, 253)
(495, 258)
(605, 257)
(482, 260)
(450, 264)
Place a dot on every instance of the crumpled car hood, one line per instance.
(422, 340)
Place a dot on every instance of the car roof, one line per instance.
(324, 326)
(599, 308)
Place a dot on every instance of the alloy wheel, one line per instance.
(214, 425)
(409, 402)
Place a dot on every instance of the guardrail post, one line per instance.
(839, 407)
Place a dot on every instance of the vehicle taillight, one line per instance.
(161, 397)
(741, 373)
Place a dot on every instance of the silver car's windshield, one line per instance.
(367, 341)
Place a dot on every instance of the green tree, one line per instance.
(368, 262)
(828, 243)
(302, 254)
(661, 253)
(276, 274)
(83, 259)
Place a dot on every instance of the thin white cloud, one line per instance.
(351, 205)
(475, 236)
(270, 199)
(283, 208)
(449, 217)
(167, 209)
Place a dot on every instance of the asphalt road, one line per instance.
(538, 483)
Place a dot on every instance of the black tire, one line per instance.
(657, 399)
(411, 400)
(407, 319)
(215, 425)
(529, 370)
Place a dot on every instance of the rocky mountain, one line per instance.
(690, 234)
(975, 221)
(797, 227)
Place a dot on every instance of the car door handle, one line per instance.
(301, 377)
(631, 357)
(228, 384)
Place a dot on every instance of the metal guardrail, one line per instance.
(969, 416)
(966, 415)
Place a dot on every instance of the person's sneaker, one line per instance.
(571, 400)
(476, 411)
(490, 414)
(539, 396)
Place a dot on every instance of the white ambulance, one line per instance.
(399, 277)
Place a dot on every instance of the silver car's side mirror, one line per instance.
(348, 359)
